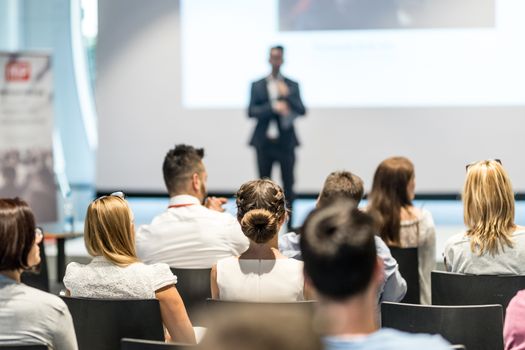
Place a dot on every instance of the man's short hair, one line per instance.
(338, 249)
(341, 184)
(278, 47)
(179, 165)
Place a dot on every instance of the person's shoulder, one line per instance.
(73, 269)
(457, 240)
(410, 341)
(261, 81)
(43, 302)
(289, 81)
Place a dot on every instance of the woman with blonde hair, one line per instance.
(493, 244)
(261, 273)
(116, 272)
(400, 224)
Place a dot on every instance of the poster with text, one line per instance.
(26, 131)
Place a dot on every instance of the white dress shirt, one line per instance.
(189, 235)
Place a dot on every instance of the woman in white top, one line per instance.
(400, 223)
(116, 272)
(493, 244)
(27, 315)
(261, 273)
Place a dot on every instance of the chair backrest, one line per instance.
(225, 305)
(458, 347)
(476, 327)
(23, 347)
(193, 286)
(101, 323)
(141, 344)
(40, 278)
(459, 289)
(407, 259)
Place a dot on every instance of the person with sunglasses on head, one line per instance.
(492, 244)
(116, 271)
(27, 315)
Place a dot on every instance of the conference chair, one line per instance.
(459, 289)
(101, 323)
(39, 277)
(407, 259)
(141, 344)
(23, 347)
(194, 288)
(476, 327)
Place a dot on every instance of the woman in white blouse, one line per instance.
(261, 273)
(400, 223)
(116, 272)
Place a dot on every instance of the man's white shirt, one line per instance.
(189, 235)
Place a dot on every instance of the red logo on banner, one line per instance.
(17, 71)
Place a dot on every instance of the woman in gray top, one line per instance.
(493, 244)
(27, 315)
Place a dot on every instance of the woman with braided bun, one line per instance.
(261, 273)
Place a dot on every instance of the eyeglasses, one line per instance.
(39, 235)
(488, 160)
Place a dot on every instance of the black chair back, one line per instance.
(194, 288)
(101, 323)
(459, 289)
(38, 279)
(141, 344)
(476, 327)
(23, 347)
(407, 259)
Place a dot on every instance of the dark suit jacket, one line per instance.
(261, 108)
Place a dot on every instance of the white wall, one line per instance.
(140, 117)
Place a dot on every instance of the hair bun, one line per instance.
(259, 225)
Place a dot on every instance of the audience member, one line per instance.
(514, 329)
(261, 273)
(256, 328)
(493, 244)
(401, 224)
(345, 185)
(116, 272)
(27, 315)
(194, 232)
(341, 262)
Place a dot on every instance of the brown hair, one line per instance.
(180, 163)
(389, 194)
(488, 207)
(108, 230)
(17, 234)
(341, 184)
(261, 327)
(261, 208)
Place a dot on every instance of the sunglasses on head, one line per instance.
(488, 160)
(119, 194)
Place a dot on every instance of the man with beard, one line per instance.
(194, 231)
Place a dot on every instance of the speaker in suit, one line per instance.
(275, 102)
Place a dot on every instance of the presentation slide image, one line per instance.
(299, 15)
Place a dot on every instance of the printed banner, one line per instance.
(26, 132)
